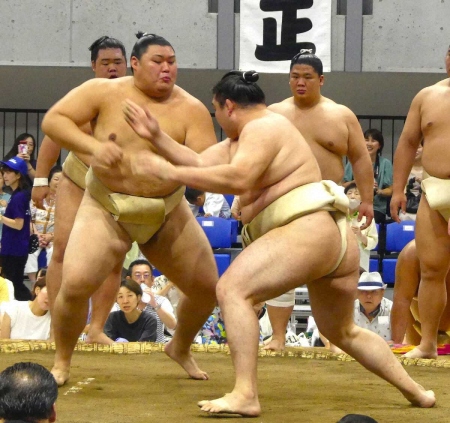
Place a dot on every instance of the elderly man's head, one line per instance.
(370, 290)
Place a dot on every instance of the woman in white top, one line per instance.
(28, 319)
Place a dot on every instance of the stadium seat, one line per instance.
(398, 235)
(389, 265)
(373, 265)
(217, 230)
(222, 261)
(229, 198)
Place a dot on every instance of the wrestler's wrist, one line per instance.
(40, 182)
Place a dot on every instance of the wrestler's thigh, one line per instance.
(432, 240)
(97, 245)
(284, 258)
(68, 200)
(181, 251)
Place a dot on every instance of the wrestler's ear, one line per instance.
(321, 80)
(93, 66)
(230, 106)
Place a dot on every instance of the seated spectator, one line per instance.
(26, 153)
(28, 392)
(4, 199)
(162, 286)
(405, 319)
(372, 309)
(382, 174)
(213, 204)
(413, 188)
(28, 319)
(130, 324)
(367, 238)
(43, 221)
(16, 226)
(158, 306)
(213, 331)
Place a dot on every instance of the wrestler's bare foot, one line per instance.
(61, 374)
(232, 404)
(422, 398)
(186, 361)
(418, 353)
(98, 338)
(275, 345)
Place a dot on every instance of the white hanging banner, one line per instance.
(272, 32)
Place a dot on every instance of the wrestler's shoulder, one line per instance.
(282, 106)
(431, 90)
(183, 98)
(334, 109)
(106, 86)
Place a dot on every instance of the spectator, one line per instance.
(382, 172)
(44, 221)
(162, 286)
(16, 226)
(130, 324)
(28, 393)
(372, 309)
(413, 188)
(213, 331)
(28, 156)
(367, 238)
(158, 306)
(28, 319)
(4, 199)
(213, 204)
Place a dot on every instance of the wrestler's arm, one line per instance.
(199, 135)
(255, 152)
(48, 155)
(362, 166)
(80, 106)
(407, 276)
(405, 153)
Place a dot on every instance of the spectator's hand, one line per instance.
(357, 231)
(44, 239)
(398, 202)
(207, 215)
(365, 209)
(38, 194)
(141, 120)
(418, 179)
(107, 155)
(23, 156)
(3, 203)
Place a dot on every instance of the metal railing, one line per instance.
(16, 121)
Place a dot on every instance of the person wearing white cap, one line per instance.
(372, 309)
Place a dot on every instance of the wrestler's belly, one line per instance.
(255, 201)
(121, 180)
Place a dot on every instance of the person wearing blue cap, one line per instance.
(16, 226)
